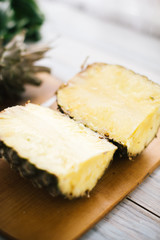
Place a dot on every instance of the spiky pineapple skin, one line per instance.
(38, 177)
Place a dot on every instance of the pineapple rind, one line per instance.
(79, 99)
(38, 177)
(41, 178)
(86, 155)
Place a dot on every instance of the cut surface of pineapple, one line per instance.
(56, 144)
(116, 102)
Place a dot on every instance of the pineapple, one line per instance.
(115, 102)
(52, 150)
(17, 67)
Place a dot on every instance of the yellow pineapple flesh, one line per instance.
(115, 102)
(38, 140)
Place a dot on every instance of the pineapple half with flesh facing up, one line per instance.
(115, 102)
(52, 150)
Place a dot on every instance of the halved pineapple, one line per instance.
(53, 150)
(115, 102)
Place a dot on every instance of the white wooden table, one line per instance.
(78, 36)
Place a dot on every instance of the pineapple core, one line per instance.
(115, 102)
(53, 142)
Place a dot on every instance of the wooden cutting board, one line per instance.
(30, 213)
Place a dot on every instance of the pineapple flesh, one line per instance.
(115, 102)
(53, 150)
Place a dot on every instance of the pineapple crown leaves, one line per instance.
(17, 67)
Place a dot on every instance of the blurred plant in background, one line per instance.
(16, 15)
(19, 20)
(18, 68)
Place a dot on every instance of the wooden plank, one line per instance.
(126, 221)
(38, 94)
(42, 93)
(29, 213)
(122, 13)
(119, 45)
(39, 216)
(148, 193)
(92, 234)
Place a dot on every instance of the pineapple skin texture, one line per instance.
(115, 102)
(39, 178)
(31, 148)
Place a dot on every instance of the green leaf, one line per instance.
(16, 15)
